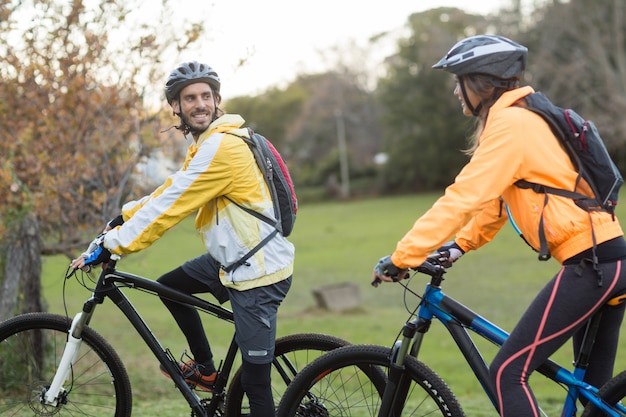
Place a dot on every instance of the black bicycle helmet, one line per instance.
(486, 54)
(190, 73)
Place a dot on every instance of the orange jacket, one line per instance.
(515, 144)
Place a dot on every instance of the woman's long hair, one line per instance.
(482, 86)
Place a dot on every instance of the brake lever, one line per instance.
(431, 268)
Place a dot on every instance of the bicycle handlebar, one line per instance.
(431, 267)
(93, 246)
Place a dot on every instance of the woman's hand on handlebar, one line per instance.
(386, 271)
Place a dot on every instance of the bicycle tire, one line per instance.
(297, 350)
(31, 346)
(612, 392)
(340, 383)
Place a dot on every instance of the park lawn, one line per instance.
(335, 243)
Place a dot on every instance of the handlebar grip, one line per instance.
(431, 268)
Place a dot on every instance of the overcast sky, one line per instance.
(280, 38)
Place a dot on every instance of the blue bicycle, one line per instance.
(370, 380)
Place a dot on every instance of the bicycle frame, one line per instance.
(109, 285)
(458, 319)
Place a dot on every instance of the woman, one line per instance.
(511, 143)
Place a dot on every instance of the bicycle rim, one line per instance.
(350, 381)
(31, 346)
(292, 353)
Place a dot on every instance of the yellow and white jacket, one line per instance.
(219, 164)
(515, 144)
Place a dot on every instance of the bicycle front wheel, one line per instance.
(31, 347)
(346, 382)
(291, 354)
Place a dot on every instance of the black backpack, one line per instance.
(585, 147)
(282, 191)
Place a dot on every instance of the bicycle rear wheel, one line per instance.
(347, 382)
(31, 346)
(291, 354)
(613, 392)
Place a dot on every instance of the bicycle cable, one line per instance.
(413, 313)
(71, 272)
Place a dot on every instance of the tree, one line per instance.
(306, 131)
(424, 128)
(577, 56)
(74, 123)
(261, 112)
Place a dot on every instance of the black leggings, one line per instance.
(255, 378)
(559, 312)
(188, 318)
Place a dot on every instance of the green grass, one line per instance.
(335, 243)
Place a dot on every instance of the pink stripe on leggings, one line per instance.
(538, 340)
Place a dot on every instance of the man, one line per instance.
(219, 171)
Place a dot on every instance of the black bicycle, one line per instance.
(52, 365)
(340, 382)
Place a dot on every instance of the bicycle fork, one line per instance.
(53, 395)
(398, 383)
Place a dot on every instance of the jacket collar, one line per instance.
(509, 98)
(226, 123)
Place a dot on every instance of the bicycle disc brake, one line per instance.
(312, 408)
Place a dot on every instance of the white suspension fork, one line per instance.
(70, 353)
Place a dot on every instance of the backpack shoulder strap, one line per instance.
(581, 200)
(256, 214)
(253, 147)
(244, 259)
(275, 223)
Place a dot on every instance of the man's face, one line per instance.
(196, 106)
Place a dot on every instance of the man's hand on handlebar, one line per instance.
(79, 263)
(95, 254)
(386, 271)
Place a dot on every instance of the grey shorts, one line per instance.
(206, 270)
(255, 310)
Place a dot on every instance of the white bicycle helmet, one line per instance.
(486, 54)
(190, 73)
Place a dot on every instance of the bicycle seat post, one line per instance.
(582, 361)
